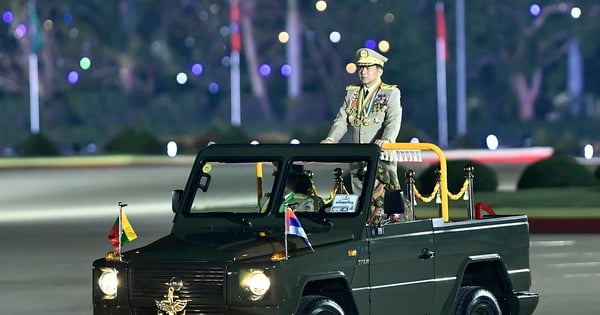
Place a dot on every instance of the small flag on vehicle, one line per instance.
(121, 232)
(293, 226)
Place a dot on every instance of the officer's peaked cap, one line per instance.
(367, 57)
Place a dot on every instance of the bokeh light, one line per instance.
(264, 70)
(535, 9)
(20, 31)
(189, 41)
(224, 31)
(73, 77)
(213, 88)
(172, 149)
(294, 141)
(181, 78)
(85, 63)
(48, 25)
(7, 17)
(335, 37)
(321, 5)
(286, 70)
(491, 141)
(588, 151)
(68, 18)
(226, 61)
(197, 69)
(73, 33)
(576, 12)
(351, 68)
(389, 17)
(371, 44)
(91, 148)
(283, 37)
(215, 8)
(384, 46)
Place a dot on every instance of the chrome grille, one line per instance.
(203, 310)
(203, 287)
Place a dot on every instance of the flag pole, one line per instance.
(34, 102)
(441, 57)
(286, 231)
(236, 46)
(121, 205)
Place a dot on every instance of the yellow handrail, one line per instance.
(443, 168)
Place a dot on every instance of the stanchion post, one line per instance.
(410, 186)
(470, 202)
(438, 180)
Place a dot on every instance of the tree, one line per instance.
(505, 39)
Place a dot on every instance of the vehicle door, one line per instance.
(401, 267)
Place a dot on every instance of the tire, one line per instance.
(473, 300)
(319, 305)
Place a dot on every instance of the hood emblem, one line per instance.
(172, 305)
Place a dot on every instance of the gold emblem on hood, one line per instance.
(172, 305)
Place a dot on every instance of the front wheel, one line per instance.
(474, 300)
(319, 305)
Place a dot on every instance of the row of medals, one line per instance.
(359, 121)
(362, 121)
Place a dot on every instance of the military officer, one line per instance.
(371, 110)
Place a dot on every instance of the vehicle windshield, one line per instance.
(260, 187)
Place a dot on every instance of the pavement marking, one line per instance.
(81, 212)
(576, 264)
(581, 275)
(552, 243)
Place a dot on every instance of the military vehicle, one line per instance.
(244, 241)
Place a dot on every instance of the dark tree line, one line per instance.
(514, 61)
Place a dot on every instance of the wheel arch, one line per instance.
(334, 286)
(488, 272)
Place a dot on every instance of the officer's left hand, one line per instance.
(381, 142)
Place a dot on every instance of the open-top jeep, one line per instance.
(244, 241)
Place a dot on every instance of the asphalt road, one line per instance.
(54, 223)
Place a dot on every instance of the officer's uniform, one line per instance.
(376, 116)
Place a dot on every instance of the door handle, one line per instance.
(426, 253)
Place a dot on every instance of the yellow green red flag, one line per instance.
(127, 234)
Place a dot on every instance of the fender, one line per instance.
(482, 265)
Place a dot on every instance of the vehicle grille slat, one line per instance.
(203, 287)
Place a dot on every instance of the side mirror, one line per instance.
(176, 199)
(393, 202)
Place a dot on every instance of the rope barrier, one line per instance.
(334, 191)
(435, 193)
(430, 197)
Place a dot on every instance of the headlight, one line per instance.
(108, 282)
(256, 282)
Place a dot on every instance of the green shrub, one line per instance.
(485, 178)
(597, 173)
(39, 145)
(556, 171)
(227, 134)
(133, 141)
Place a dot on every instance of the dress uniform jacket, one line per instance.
(382, 122)
(379, 120)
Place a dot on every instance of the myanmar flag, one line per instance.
(127, 235)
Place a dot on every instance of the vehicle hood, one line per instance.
(213, 246)
(230, 246)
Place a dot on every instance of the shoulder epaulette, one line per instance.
(352, 87)
(385, 86)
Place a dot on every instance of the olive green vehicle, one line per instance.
(240, 245)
